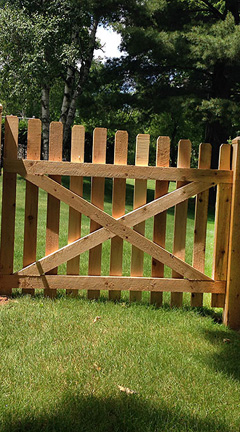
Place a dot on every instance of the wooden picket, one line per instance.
(31, 199)
(222, 226)
(118, 208)
(97, 198)
(8, 201)
(76, 185)
(200, 227)
(180, 222)
(53, 204)
(159, 227)
(140, 198)
(120, 227)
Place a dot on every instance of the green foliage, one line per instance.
(219, 42)
(180, 75)
(39, 41)
(30, 55)
(189, 51)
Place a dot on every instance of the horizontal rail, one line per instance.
(112, 283)
(24, 166)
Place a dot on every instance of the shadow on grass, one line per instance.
(61, 294)
(206, 312)
(226, 359)
(117, 414)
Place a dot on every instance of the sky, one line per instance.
(110, 41)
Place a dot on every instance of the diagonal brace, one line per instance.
(117, 227)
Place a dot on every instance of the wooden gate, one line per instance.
(119, 227)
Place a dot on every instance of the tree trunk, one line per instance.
(233, 7)
(45, 120)
(83, 76)
(217, 132)
(68, 124)
(67, 95)
(174, 144)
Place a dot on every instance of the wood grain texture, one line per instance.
(180, 218)
(200, 224)
(31, 198)
(8, 201)
(118, 208)
(97, 198)
(53, 203)
(231, 315)
(76, 185)
(114, 227)
(119, 171)
(139, 199)
(159, 225)
(222, 226)
(113, 283)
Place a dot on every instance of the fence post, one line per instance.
(8, 201)
(231, 314)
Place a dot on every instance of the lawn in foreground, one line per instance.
(60, 371)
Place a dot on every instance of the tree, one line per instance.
(31, 55)
(187, 49)
(110, 100)
(47, 41)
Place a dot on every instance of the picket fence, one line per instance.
(42, 274)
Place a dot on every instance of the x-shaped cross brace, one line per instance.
(115, 227)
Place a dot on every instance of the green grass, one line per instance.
(59, 371)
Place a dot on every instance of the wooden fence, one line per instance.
(42, 274)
